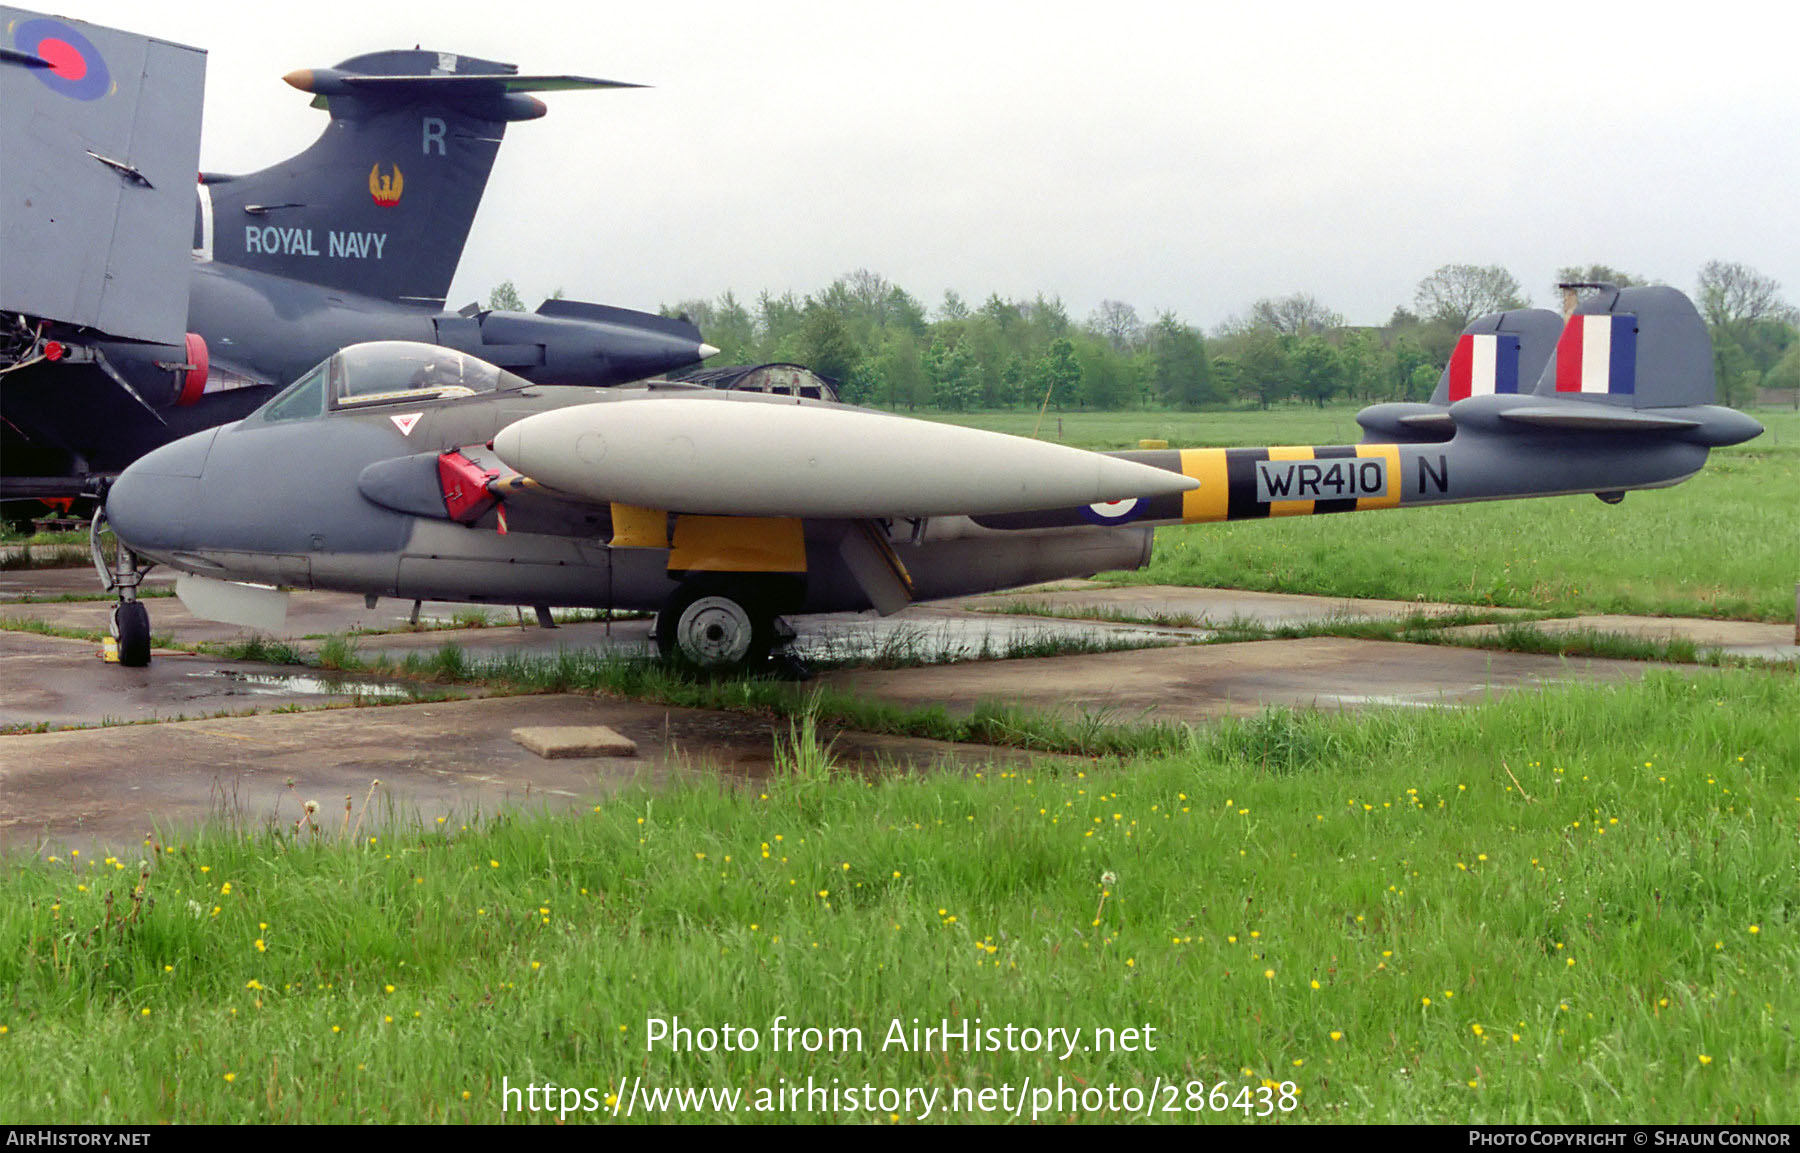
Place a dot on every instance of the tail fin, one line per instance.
(382, 202)
(1498, 354)
(1633, 348)
(1630, 361)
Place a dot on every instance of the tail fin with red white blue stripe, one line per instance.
(1633, 348)
(1499, 354)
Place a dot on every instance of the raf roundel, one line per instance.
(76, 69)
(1114, 511)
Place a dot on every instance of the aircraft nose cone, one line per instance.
(633, 354)
(185, 457)
(148, 506)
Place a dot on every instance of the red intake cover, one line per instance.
(466, 496)
(193, 381)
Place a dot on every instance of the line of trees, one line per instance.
(885, 348)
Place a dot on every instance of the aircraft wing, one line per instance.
(100, 131)
(477, 85)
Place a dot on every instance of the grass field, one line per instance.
(1577, 905)
(1724, 544)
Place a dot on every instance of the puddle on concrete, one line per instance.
(826, 639)
(287, 685)
(864, 641)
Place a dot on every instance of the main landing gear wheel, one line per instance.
(715, 626)
(131, 626)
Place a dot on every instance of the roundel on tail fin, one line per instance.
(76, 69)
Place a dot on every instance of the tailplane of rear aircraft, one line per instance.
(382, 202)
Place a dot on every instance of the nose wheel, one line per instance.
(122, 572)
(131, 627)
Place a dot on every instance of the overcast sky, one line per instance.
(1187, 157)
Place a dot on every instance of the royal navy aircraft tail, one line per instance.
(135, 310)
(382, 202)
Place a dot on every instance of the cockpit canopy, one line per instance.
(386, 372)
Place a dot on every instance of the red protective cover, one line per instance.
(466, 495)
(193, 381)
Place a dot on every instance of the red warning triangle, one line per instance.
(405, 421)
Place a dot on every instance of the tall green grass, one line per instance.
(1578, 905)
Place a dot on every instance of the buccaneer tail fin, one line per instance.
(382, 202)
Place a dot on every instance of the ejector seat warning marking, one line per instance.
(405, 422)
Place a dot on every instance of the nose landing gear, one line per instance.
(131, 627)
(122, 572)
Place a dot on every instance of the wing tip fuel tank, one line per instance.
(725, 457)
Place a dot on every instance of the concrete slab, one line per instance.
(52, 582)
(553, 742)
(1739, 638)
(93, 788)
(1196, 684)
(936, 632)
(57, 682)
(309, 614)
(949, 632)
(107, 786)
(1212, 606)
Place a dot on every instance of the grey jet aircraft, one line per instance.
(405, 471)
(138, 306)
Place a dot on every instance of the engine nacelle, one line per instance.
(570, 342)
(185, 366)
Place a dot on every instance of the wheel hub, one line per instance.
(714, 631)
